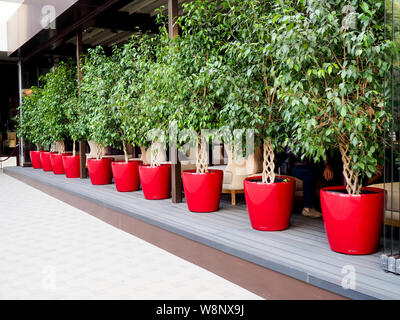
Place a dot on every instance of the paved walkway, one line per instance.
(50, 250)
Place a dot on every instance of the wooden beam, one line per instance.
(124, 21)
(82, 144)
(172, 16)
(79, 60)
(176, 178)
(136, 6)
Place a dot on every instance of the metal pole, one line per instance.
(82, 144)
(21, 142)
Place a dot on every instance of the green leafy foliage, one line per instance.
(250, 74)
(308, 74)
(58, 100)
(337, 59)
(30, 118)
(141, 90)
(100, 75)
(46, 115)
(194, 59)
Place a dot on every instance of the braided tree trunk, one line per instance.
(268, 174)
(202, 156)
(99, 151)
(352, 183)
(155, 154)
(60, 147)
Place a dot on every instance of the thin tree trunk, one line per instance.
(73, 149)
(268, 174)
(125, 152)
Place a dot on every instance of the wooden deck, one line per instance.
(302, 251)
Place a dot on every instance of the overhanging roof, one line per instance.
(7, 9)
(103, 22)
(32, 17)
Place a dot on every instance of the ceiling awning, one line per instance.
(33, 30)
(32, 17)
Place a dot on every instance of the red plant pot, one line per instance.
(100, 171)
(46, 161)
(155, 181)
(35, 159)
(126, 175)
(71, 166)
(352, 222)
(202, 190)
(269, 205)
(57, 162)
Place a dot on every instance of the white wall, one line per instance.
(7, 9)
(3, 36)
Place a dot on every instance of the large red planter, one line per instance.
(352, 222)
(71, 166)
(57, 162)
(202, 190)
(35, 159)
(155, 181)
(46, 161)
(100, 171)
(269, 205)
(126, 175)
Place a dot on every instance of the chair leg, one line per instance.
(233, 197)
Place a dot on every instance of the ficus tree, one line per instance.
(194, 57)
(129, 101)
(159, 95)
(76, 121)
(60, 86)
(251, 74)
(100, 75)
(337, 58)
(30, 122)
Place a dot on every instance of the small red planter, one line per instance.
(35, 159)
(269, 205)
(71, 166)
(126, 175)
(46, 161)
(202, 190)
(155, 181)
(100, 171)
(352, 222)
(57, 163)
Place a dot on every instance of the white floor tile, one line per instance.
(50, 250)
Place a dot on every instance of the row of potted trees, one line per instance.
(304, 75)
